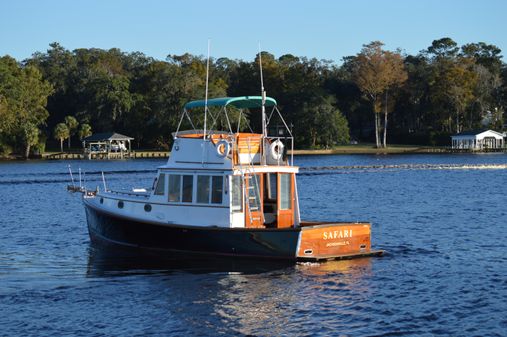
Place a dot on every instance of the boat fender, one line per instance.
(276, 150)
(223, 148)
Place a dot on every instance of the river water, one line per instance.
(441, 218)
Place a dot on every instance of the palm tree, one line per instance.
(61, 132)
(72, 124)
(85, 130)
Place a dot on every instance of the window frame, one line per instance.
(191, 188)
(209, 199)
(232, 191)
(159, 183)
(281, 191)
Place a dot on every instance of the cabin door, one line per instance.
(253, 215)
(285, 200)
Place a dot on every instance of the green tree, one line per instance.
(327, 126)
(30, 137)
(451, 91)
(486, 95)
(443, 48)
(61, 132)
(484, 54)
(7, 118)
(59, 67)
(72, 125)
(25, 96)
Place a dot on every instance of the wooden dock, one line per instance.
(105, 156)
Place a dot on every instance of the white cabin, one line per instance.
(477, 140)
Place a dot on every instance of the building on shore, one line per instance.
(478, 140)
(110, 145)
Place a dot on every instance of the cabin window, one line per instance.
(210, 189)
(217, 188)
(159, 189)
(174, 187)
(271, 186)
(203, 189)
(188, 187)
(285, 191)
(237, 194)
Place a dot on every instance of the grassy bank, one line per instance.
(371, 149)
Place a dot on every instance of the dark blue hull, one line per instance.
(168, 239)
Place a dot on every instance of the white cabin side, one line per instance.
(197, 153)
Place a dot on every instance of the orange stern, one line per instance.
(326, 241)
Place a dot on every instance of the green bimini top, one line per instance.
(239, 102)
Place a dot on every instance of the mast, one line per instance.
(206, 94)
(263, 111)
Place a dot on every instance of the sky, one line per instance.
(313, 28)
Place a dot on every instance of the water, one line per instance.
(444, 228)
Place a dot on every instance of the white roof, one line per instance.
(478, 134)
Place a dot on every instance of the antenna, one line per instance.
(262, 77)
(206, 94)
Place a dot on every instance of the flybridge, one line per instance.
(247, 147)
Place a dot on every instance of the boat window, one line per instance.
(285, 195)
(237, 194)
(203, 189)
(159, 189)
(217, 187)
(174, 187)
(188, 187)
(271, 186)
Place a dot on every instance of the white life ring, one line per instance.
(223, 148)
(276, 150)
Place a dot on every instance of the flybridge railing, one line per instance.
(262, 150)
(248, 148)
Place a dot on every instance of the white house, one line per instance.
(478, 140)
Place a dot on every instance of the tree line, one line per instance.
(377, 95)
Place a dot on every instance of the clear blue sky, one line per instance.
(313, 28)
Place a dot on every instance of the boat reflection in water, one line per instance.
(105, 260)
(236, 296)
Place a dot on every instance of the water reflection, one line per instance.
(234, 296)
(107, 260)
(353, 267)
(287, 299)
(110, 261)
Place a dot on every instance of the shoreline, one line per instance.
(369, 149)
(339, 150)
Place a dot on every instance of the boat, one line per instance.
(226, 193)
